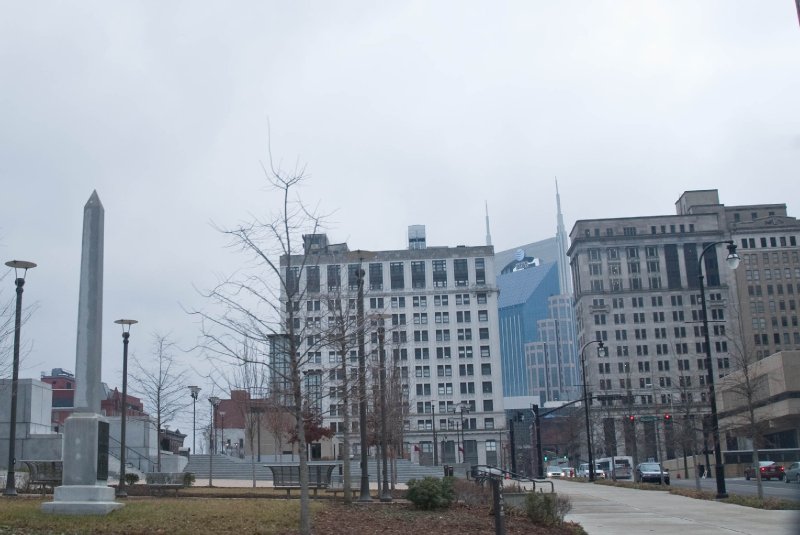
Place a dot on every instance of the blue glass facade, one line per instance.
(523, 303)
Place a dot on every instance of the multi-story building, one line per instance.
(439, 308)
(537, 319)
(637, 289)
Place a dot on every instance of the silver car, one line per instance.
(792, 473)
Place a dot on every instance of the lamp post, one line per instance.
(126, 333)
(194, 391)
(385, 494)
(222, 432)
(462, 408)
(364, 495)
(214, 401)
(11, 488)
(733, 262)
(601, 351)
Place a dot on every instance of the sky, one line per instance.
(401, 112)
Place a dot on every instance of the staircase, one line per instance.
(226, 467)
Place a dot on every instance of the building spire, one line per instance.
(488, 234)
(564, 278)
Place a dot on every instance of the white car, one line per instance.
(554, 471)
(583, 471)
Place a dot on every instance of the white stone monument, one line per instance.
(85, 489)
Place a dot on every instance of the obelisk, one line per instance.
(85, 490)
(88, 354)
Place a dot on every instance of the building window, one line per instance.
(480, 271)
(418, 274)
(396, 275)
(439, 273)
(460, 272)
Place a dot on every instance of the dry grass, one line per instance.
(161, 515)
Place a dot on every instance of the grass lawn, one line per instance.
(160, 515)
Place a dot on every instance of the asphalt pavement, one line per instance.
(607, 510)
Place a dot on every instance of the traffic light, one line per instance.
(631, 418)
(667, 417)
(545, 458)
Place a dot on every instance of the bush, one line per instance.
(188, 479)
(470, 493)
(131, 479)
(547, 509)
(430, 493)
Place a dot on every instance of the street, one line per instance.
(742, 487)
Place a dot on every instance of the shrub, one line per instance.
(548, 509)
(430, 493)
(131, 479)
(188, 479)
(470, 493)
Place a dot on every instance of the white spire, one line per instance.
(564, 278)
(488, 234)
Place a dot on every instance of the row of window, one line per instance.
(773, 241)
(767, 258)
(757, 290)
(649, 399)
(772, 274)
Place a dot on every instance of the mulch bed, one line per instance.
(401, 518)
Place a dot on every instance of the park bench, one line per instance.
(287, 476)
(45, 473)
(160, 482)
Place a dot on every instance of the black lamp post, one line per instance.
(385, 496)
(11, 487)
(733, 262)
(601, 351)
(126, 333)
(362, 390)
(212, 443)
(195, 392)
(222, 432)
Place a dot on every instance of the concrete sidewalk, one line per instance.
(602, 510)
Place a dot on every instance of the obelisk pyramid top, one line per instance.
(94, 200)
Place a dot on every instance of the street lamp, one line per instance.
(733, 262)
(385, 494)
(362, 390)
(11, 488)
(222, 432)
(195, 391)
(462, 408)
(214, 401)
(601, 352)
(126, 333)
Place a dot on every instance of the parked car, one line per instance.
(650, 473)
(768, 469)
(568, 471)
(583, 471)
(792, 473)
(554, 471)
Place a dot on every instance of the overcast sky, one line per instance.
(404, 113)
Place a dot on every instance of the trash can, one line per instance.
(448, 470)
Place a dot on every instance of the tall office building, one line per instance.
(637, 289)
(537, 319)
(439, 307)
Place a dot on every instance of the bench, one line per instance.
(45, 473)
(287, 476)
(160, 482)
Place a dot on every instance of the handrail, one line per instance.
(128, 451)
(483, 472)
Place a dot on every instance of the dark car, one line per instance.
(651, 473)
(769, 470)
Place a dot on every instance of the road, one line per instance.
(742, 487)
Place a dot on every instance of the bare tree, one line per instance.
(261, 303)
(743, 392)
(250, 377)
(161, 383)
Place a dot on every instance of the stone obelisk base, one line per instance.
(85, 490)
